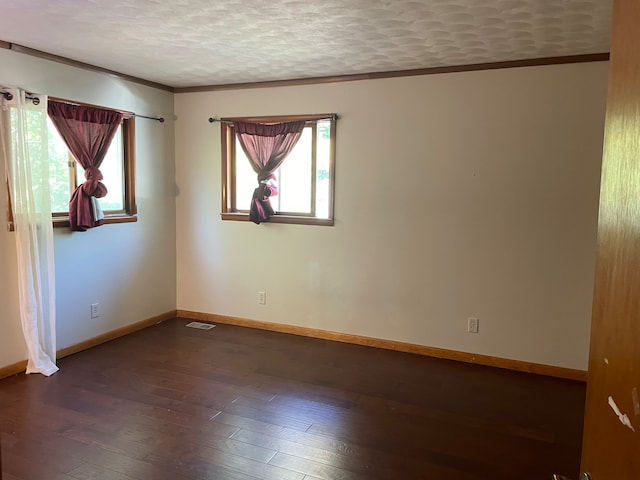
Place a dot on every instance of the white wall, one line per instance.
(128, 268)
(457, 195)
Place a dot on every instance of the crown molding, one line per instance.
(85, 66)
(594, 57)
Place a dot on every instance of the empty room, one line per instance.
(382, 239)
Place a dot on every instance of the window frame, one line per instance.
(227, 141)
(6, 135)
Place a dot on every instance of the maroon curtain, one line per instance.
(88, 132)
(266, 146)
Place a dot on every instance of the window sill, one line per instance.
(63, 221)
(290, 219)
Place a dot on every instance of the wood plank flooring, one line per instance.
(233, 403)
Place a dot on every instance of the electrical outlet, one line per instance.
(473, 325)
(262, 298)
(95, 310)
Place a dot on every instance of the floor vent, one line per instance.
(200, 325)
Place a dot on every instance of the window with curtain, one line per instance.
(91, 142)
(300, 190)
(117, 168)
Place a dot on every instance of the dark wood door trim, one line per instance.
(612, 420)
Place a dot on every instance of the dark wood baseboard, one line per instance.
(112, 335)
(518, 365)
(21, 366)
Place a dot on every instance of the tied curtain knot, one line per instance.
(265, 190)
(93, 187)
(261, 209)
(266, 176)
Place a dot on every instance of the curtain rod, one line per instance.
(230, 122)
(36, 101)
(159, 119)
(212, 119)
(126, 113)
(9, 96)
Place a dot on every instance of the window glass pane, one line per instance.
(33, 140)
(294, 180)
(323, 156)
(246, 179)
(61, 175)
(59, 171)
(112, 171)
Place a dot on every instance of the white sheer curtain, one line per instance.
(23, 124)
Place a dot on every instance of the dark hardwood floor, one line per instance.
(232, 403)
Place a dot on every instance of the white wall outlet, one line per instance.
(95, 310)
(262, 298)
(473, 324)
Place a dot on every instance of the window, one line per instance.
(117, 168)
(305, 180)
(65, 174)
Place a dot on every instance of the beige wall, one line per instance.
(129, 268)
(457, 195)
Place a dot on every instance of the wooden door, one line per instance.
(611, 447)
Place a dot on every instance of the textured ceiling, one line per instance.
(211, 42)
